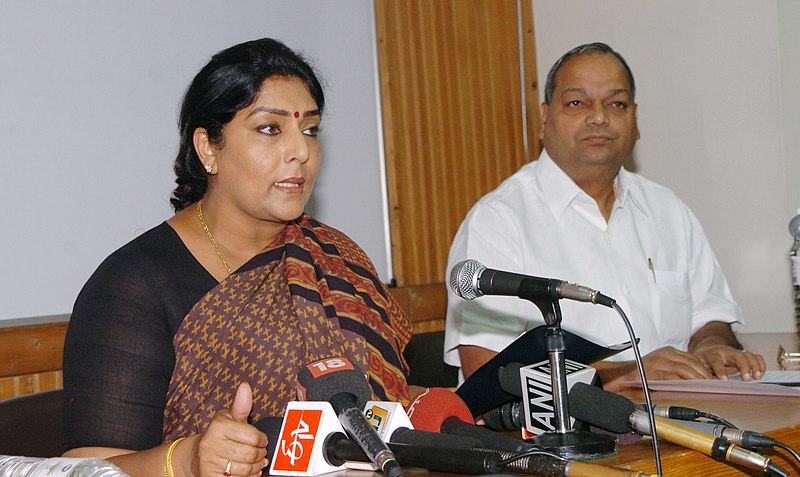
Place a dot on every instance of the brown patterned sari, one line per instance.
(311, 295)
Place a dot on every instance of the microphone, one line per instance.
(740, 437)
(337, 450)
(337, 381)
(533, 385)
(794, 225)
(393, 425)
(405, 435)
(469, 279)
(504, 418)
(441, 410)
(618, 414)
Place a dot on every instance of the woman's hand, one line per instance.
(231, 446)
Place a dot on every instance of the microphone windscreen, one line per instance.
(600, 408)
(509, 379)
(271, 426)
(430, 409)
(332, 382)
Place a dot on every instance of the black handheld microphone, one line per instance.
(469, 279)
(618, 414)
(339, 382)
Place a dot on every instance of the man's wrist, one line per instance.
(715, 340)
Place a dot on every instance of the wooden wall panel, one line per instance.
(424, 304)
(453, 111)
(30, 383)
(31, 358)
(31, 349)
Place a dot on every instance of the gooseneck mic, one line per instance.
(469, 279)
(618, 414)
(339, 382)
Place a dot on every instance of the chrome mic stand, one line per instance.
(570, 443)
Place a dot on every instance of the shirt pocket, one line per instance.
(672, 308)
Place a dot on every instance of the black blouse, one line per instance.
(118, 354)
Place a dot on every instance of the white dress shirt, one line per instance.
(652, 257)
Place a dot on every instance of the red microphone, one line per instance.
(441, 410)
(429, 410)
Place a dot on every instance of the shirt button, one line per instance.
(608, 235)
(626, 290)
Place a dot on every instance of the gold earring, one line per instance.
(208, 168)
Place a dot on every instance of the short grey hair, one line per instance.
(586, 49)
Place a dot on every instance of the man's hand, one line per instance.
(717, 347)
(661, 364)
(723, 360)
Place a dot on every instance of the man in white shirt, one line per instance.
(576, 215)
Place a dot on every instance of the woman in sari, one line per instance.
(197, 328)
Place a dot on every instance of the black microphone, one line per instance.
(469, 279)
(504, 418)
(405, 435)
(339, 382)
(271, 426)
(508, 377)
(618, 414)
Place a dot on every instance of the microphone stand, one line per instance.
(566, 442)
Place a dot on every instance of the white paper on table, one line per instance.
(773, 383)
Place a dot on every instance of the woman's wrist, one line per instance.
(182, 457)
(169, 469)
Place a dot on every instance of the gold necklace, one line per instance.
(211, 237)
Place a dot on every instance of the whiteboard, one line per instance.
(89, 94)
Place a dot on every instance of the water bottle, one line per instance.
(794, 255)
(20, 466)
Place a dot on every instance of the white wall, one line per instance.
(789, 38)
(89, 91)
(709, 78)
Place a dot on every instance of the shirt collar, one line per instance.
(560, 190)
(629, 191)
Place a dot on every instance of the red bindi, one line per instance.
(296, 114)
